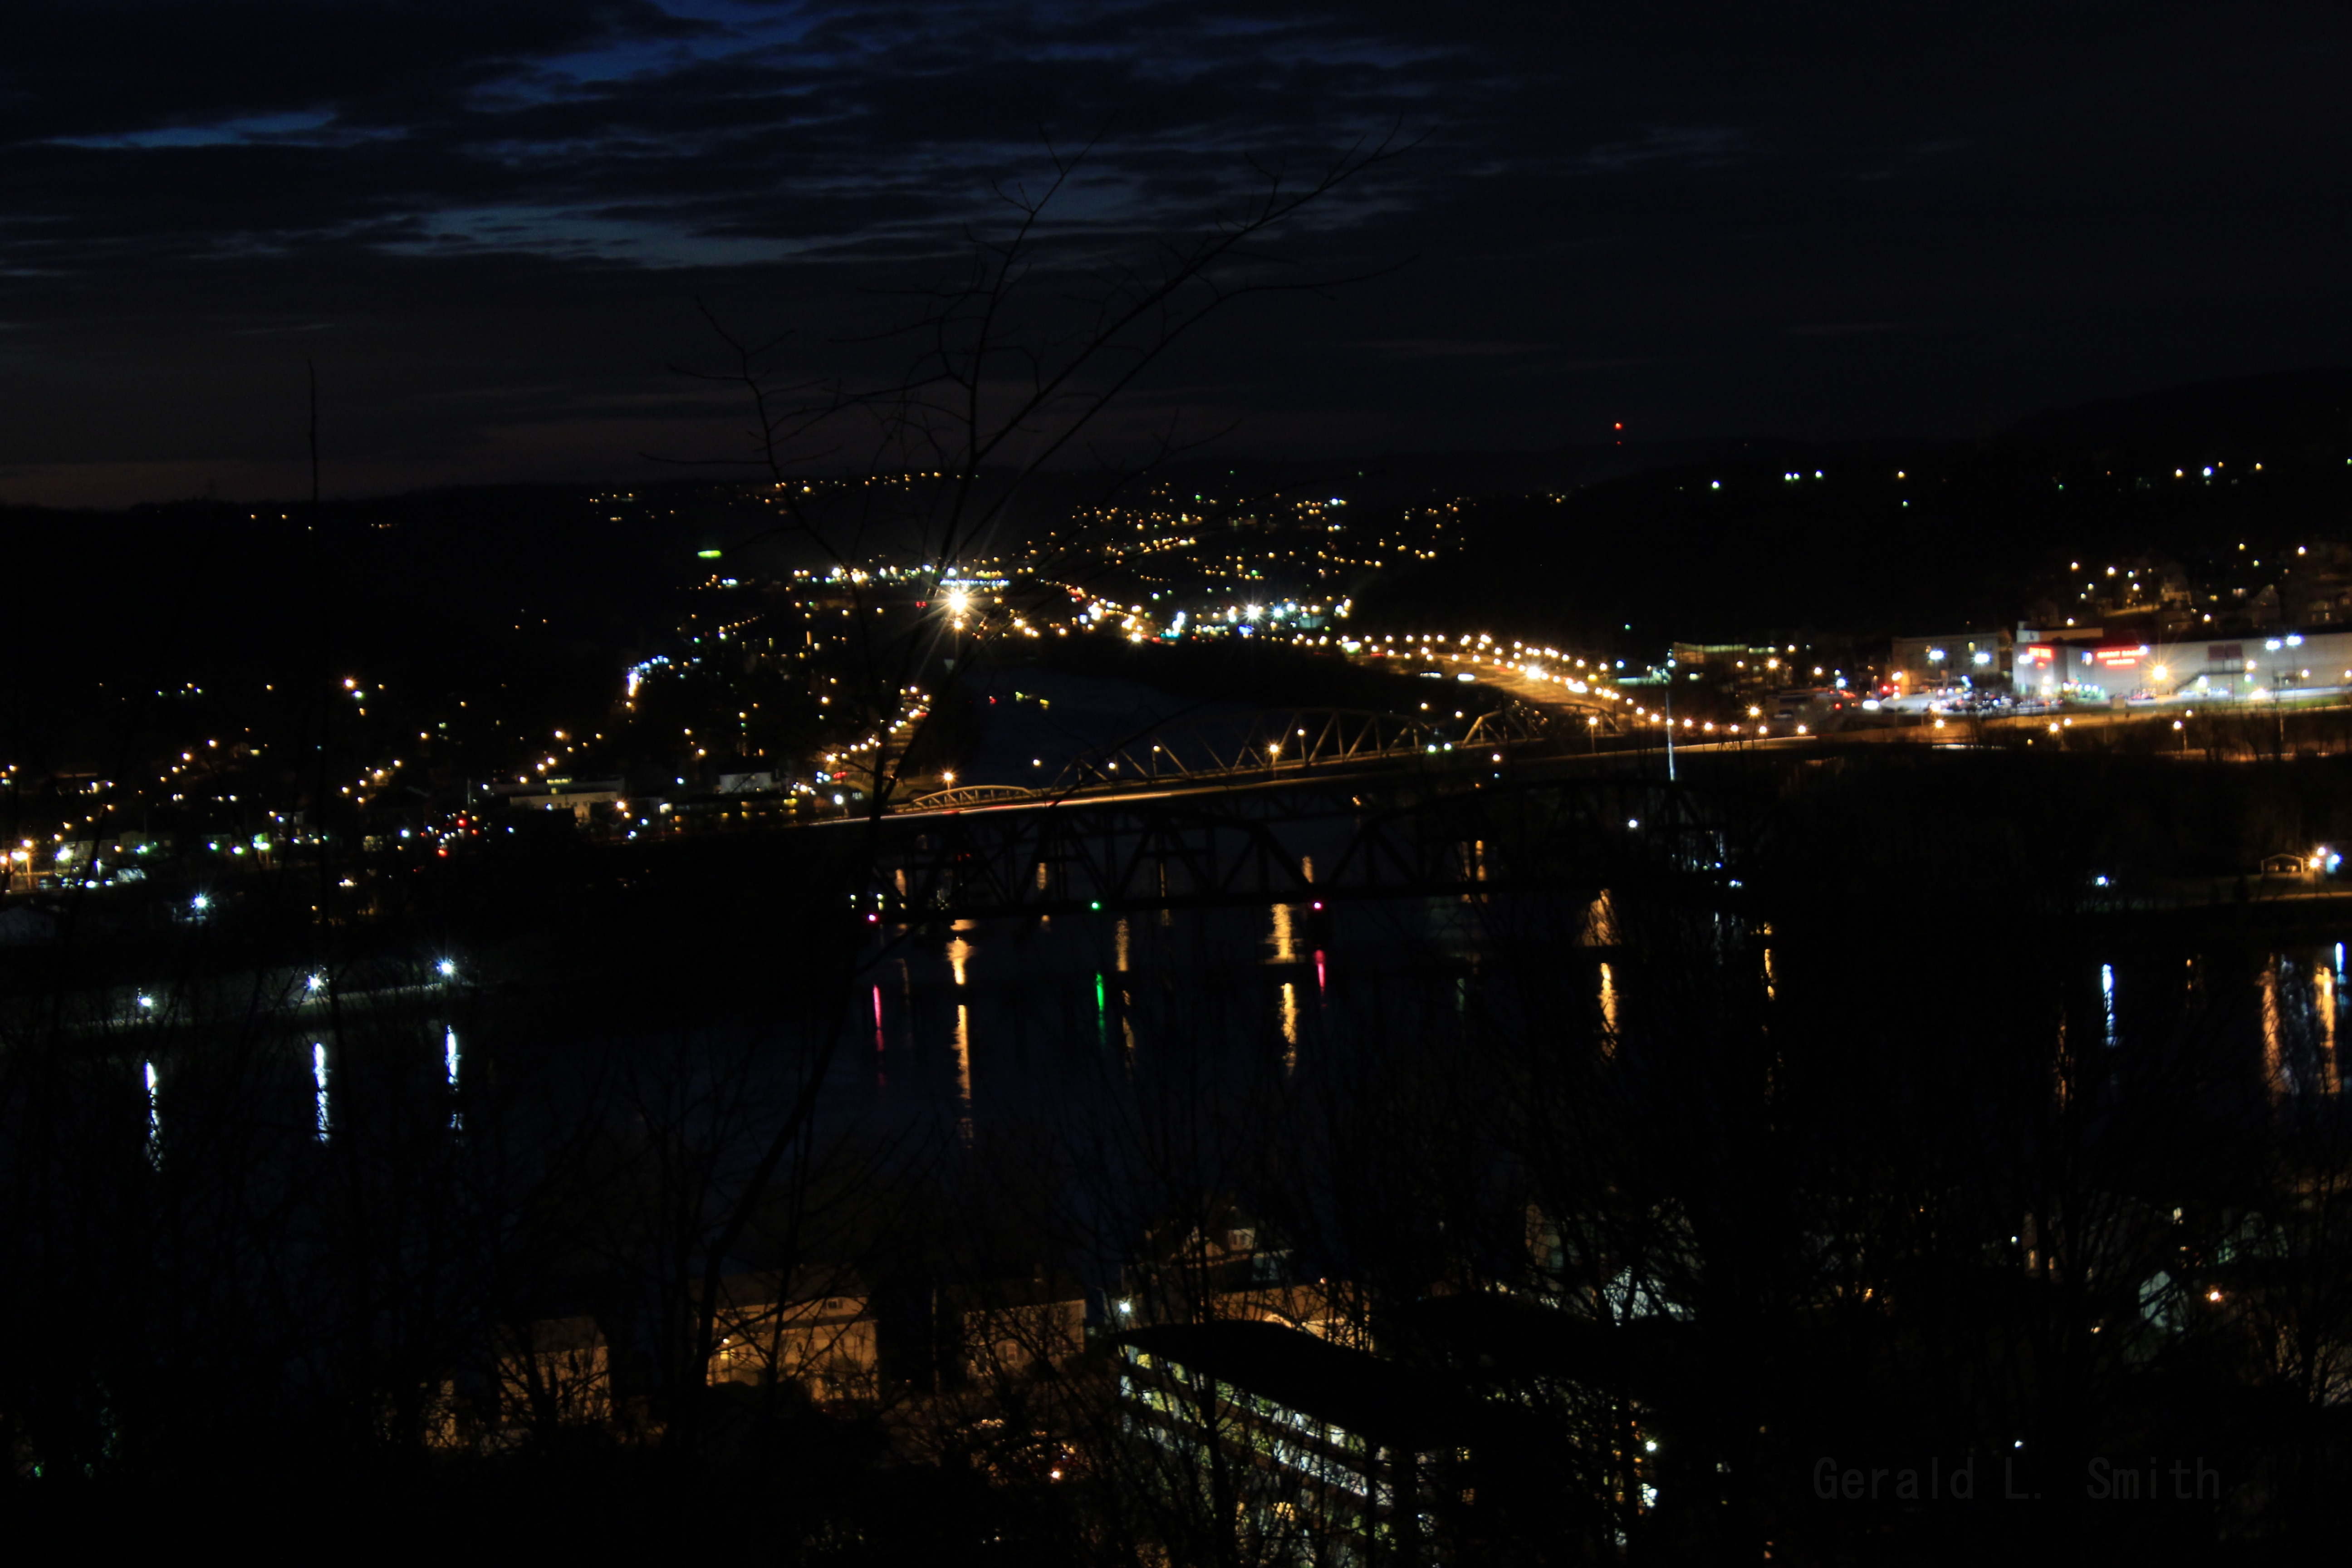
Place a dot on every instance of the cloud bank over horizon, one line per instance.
(489, 225)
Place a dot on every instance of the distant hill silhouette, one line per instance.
(2290, 412)
(532, 596)
(1718, 545)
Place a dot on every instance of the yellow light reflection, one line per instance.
(963, 1070)
(1600, 922)
(2330, 1082)
(1285, 949)
(2273, 1051)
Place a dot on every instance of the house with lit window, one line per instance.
(1006, 1329)
(1185, 1264)
(554, 1372)
(813, 1326)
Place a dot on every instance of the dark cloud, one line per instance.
(136, 68)
(488, 223)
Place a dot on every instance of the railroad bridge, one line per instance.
(1307, 841)
(1258, 748)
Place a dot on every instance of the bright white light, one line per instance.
(315, 983)
(449, 1054)
(199, 903)
(319, 1076)
(447, 967)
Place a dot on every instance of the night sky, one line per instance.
(488, 221)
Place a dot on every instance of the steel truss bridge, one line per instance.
(1307, 842)
(1263, 748)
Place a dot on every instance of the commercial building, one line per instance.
(1322, 1453)
(1745, 671)
(1979, 660)
(2273, 664)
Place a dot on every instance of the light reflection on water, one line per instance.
(964, 1066)
(2271, 1016)
(2298, 1001)
(1600, 922)
(989, 1021)
(2327, 1016)
(1018, 1017)
(1285, 950)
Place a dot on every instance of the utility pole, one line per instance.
(1670, 718)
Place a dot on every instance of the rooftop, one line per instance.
(1392, 1404)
